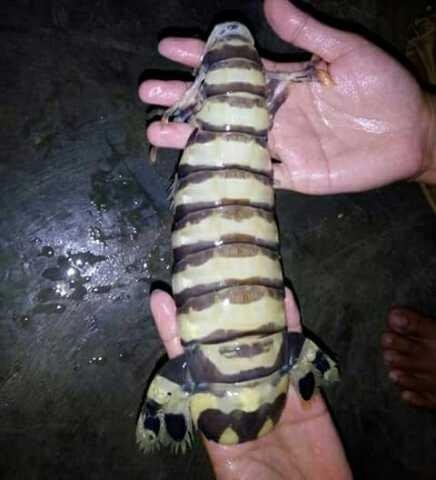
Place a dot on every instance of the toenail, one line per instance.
(388, 357)
(399, 320)
(407, 395)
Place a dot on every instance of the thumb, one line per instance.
(300, 29)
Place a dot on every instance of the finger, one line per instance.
(183, 50)
(189, 52)
(298, 28)
(292, 312)
(159, 92)
(169, 135)
(281, 177)
(163, 309)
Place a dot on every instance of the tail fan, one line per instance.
(310, 367)
(165, 418)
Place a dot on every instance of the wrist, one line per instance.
(428, 174)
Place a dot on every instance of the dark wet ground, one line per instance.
(85, 229)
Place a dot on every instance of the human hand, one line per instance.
(370, 128)
(303, 445)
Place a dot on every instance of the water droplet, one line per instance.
(46, 251)
(23, 320)
(61, 289)
(101, 289)
(72, 272)
(49, 308)
(97, 359)
(96, 235)
(123, 356)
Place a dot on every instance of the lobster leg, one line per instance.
(277, 86)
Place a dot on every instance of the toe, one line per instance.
(409, 381)
(394, 359)
(400, 343)
(420, 363)
(421, 400)
(408, 322)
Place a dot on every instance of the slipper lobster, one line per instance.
(232, 380)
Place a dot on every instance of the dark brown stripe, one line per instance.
(227, 51)
(238, 101)
(231, 212)
(236, 295)
(240, 63)
(198, 290)
(234, 128)
(185, 209)
(247, 350)
(225, 174)
(187, 169)
(212, 89)
(228, 37)
(232, 250)
(223, 335)
(202, 136)
(180, 253)
(247, 425)
(204, 370)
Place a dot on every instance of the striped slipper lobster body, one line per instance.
(232, 380)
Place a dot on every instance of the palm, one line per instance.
(301, 446)
(355, 135)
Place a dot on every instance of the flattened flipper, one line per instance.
(310, 367)
(165, 418)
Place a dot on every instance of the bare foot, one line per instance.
(409, 350)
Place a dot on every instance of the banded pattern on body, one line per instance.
(232, 380)
(227, 279)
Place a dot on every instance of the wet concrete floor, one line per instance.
(84, 231)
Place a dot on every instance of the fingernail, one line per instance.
(387, 339)
(399, 320)
(394, 376)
